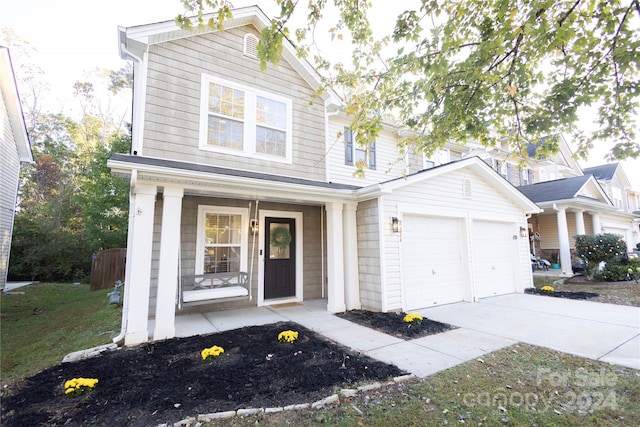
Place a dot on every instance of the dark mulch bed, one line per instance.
(393, 324)
(561, 294)
(165, 381)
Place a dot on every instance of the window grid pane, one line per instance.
(271, 113)
(226, 133)
(226, 101)
(270, 141)
(222, 249)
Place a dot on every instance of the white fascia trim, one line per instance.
(286, 190)
(578, 204)
(592, 180)
(9, 90)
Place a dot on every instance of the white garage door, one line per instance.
(432, 253)
(495, 258)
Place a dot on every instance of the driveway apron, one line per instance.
(598, 331)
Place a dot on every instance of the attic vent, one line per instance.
(251, 46)
(466, 188)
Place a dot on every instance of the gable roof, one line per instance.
(475, 164)
(602, 172)
(135, 40)
(565, 189)
(11, 99)
(564, 154)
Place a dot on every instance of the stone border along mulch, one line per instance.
(334, 398)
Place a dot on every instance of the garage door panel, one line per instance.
(494, 258)
(432, 261)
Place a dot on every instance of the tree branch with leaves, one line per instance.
(455, 71)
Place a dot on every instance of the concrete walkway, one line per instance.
(10, 286)
(606, 332)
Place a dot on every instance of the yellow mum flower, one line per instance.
(287, 336)
(212, 352)
(79, 385)
(413, 318)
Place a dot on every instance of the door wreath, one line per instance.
(280, 237)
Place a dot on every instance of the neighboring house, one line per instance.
(614, 182)
(234, 169)
(15, 149)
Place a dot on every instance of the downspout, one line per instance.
(136, 110)
(127, 274)
(322, 249)
(132, 185)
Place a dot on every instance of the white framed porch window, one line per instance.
(222, 239)
(241, 120)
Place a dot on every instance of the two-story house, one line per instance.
(248, 176)
(15, 149)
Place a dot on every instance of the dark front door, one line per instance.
(280, 258)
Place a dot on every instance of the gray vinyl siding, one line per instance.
(312, 248)
(172, 108)
(370, 272)
(9, 173)
(443, 196)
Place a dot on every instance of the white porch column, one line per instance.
(335, 259)
(139, 262)
(595, 221)
(351, 278)
(563, 238)
(579, 222)
(168, 269)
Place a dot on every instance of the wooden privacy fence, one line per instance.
(107, 268)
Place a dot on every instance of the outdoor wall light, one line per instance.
(523, 232)
(254, 226)
(395, 224)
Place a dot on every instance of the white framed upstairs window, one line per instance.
(240, 120)
(616, 194)
(221, 239)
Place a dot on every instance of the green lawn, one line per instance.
(518, 385)
(50, 320)
(622, 293)
(521, 385)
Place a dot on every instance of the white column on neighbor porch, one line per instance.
(139, 263)
(595, 221)
(335, 258)
(168, 268)
(351, 279)
(579, 222)
(563, 238)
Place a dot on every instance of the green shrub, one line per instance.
(616, 271)
(594, 249)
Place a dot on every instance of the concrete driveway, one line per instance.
(606, 332)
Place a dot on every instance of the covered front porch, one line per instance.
(552, 232)
(184, 226)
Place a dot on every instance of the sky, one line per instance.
(72, 37)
